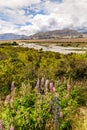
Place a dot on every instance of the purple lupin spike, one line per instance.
(38, 85)
(1, 125)
(12, 85)
(51, 87)
(8, 98)
(12, 128)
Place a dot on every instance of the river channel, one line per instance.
(55, 48)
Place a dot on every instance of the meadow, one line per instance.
(42, 90)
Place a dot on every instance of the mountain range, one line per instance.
(66, 33)
(12, 36)
(56, 34)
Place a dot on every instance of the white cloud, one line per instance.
(69, 13)
(15, 14)
(28, 30)
(17, 3)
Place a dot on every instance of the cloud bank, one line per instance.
(31, 16)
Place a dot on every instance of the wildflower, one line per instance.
(51, 87)
(46, 84)
(12, 85)
(1, 125)
(55, 110)
(38, 86)
(68, 87)
(12, 128)
(42, 81)
(8, 98)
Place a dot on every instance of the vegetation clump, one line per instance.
(42, 90)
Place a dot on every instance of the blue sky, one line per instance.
(31, 16)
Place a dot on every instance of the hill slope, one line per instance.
(66, 33)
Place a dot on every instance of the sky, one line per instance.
(27, 17)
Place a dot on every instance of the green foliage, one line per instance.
(14, 43)
(28, 109)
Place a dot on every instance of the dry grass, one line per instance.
(56, 40)
(75, 42)
(51, 40)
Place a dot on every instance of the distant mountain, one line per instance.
(84, 32)
(11, 36)
(66, 33)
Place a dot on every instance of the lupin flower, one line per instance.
(38, 86)
(51, 87)
(68, 87)
(12, 85)
(46, 84)
(55, 108)
(1, 125)
(12, 128)
(8, 98)
(42, 81)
